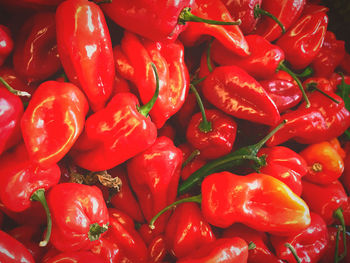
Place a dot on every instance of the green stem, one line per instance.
(307, 72)
(230, 160)
(195, 153)
(145, 109)
(292, 250)
(295, 77)
(313, 85)
(347, 133)
(95, 231)
(39, 195)
(196, 198)
(14, 91)
(258, 12)
(251, 245)
(338, 214)
(197, 81)
(205, 125)
(210, 68)
(187, 16)
(336, 251)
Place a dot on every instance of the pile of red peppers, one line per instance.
(173, 131)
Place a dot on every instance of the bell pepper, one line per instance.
(210, 131)
(223, 250)
(23, 181)
(309, 244)
(76, 256)
(260, 252)
(79, 216)
(329, 57)
(302, 42)
(157, 249)
(13, 251)
(324, 163)
(286, 165)
(228, 35)
(286, 11)
(85, 49)
(6, 43)
(105, 142)
(154, 175)
(48, 141)
(187, 230)
(124, 199)
(192, 160)
(132, 59)
(235, 92)
(324, 120)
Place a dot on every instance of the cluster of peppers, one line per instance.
(173, 131)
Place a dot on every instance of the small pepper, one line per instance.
(6, 43)
(76, 256)
(157, 249)
(85, 49)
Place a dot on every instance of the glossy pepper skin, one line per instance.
(220, 138)
(262, 62)
(235, 92)
(261, 252)
(36, 57)
(286, 11)
(79, 216)
(286, 165)
(154, 175)
(109, 133)
(157, 249)
(132, 59)
(187, 230)
(12, 251)
(302, 42)
(228, 35)
(256, 200)
(324, 120)
(6, 44)
(21, 178)
(77, 256)
(310, 244)
(223, 250)
(151, 19)
(325, 165)
(48, 141)
(85, 49)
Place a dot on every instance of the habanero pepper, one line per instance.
(309, 244)
(6, 46)
(76, 256)
(79, 216)
(35, 56)
(109, 133)
(132, 61)
(157, 249)
(85, 49)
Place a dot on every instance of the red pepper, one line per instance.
(223, 250)
(6, 44)
(85, 49)
(76, 256)
(261, 252)
(286, 165)
(228, 35)
(132, 60)
(345, 178)
(233, 91)
(12, 251)
(192, 160)
(157, 250)
(302, 42)
(33, 4)
(48, 141)
(187, 230)
(324, 163)
(286, 11)
(311, 8)
(345, 63)
(329, 57)
(154, 175)
(124, 199)
(79, 216)
(309, 244)
(184, 115)
(320, 83)
(108, 250)
(167, 130)
(285, 93)
(324, 120)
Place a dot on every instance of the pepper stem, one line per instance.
(196, 198)
(205, 125)
(251, 245)
(292, 250)
(195, 153)
(95, 231)
(283, 67)
(232, 159)
(187, 16)
(210, 67)
(258, 12)
(39, 195)
(307, 72)
(145, 109)
(14, 91)
(338, 214)
(313, 86)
